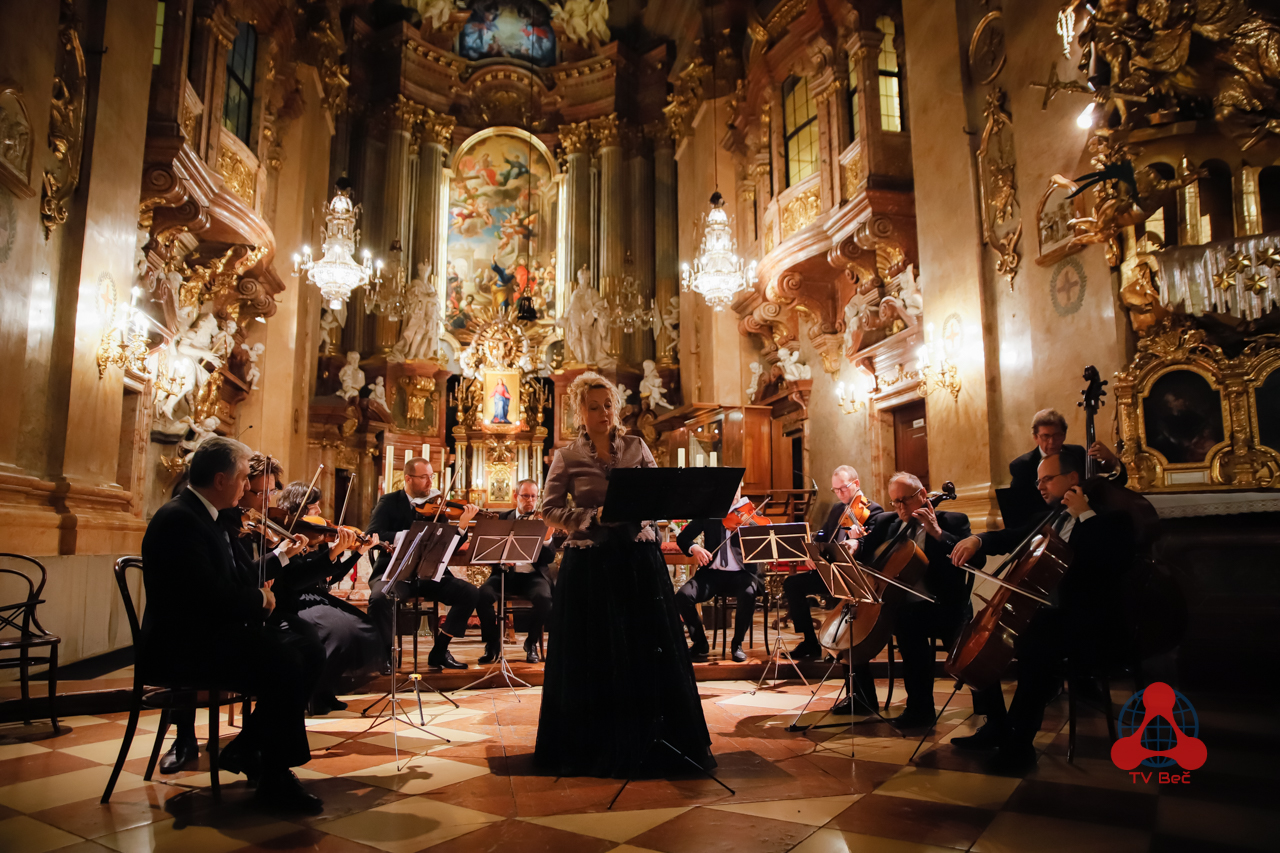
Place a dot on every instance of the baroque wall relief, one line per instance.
(998, 187)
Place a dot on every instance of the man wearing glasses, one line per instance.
(396, 512)
(1079, 631)
(918, 621)
(798, 587)
(1049, 431)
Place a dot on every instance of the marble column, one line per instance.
(666, 262)
(575, 140)
(612, 207)
(428, 240)
(640, 208)
(402, 117)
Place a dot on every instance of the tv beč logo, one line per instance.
(1166, 735)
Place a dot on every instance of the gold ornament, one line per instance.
(1255, 283)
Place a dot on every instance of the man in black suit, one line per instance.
(204, 625)
(918, 621)
(721, 574)
(1073, 634)
(798, 587)
(1049, 430)
(528, 580)
(395, 512)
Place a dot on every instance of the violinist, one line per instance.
(839, 526)
(1049, 431)
(720, 572)
(528, 580)
(1074, 633)
(918, 621)
(397, 511)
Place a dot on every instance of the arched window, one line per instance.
(237, 110)
(1161, 227)
(853, 98)
(1215, 202)
(1269, 199)
(799, 130)
(891, 111)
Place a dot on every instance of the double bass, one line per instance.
(862, 628)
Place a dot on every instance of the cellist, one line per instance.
(1075, 632)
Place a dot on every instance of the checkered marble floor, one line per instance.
(398, 790)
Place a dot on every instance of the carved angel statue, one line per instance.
(909, 294)
(421, 336)
(651, 386)
(203, 430)
(181, 382)
(585, 326)
(857, 311)
(1142, 300)
(583, 19)
(668, 320)
(792, 369)
(223, 342)
(753, 384)
(437, 12)
(140, 251)
(624, 393)
(253, 373)
(378, 393)
(331, 322)
(352, 377)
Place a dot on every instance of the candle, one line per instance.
(680, 457)
(386, 474)
(713, 459)
(408, 454)
(700, 462)
(426, 452)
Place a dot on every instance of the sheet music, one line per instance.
(444, 562)
(401, 554)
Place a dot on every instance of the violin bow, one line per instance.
(306, 495)
(346, 499)
(985, 576)
(262, 528)
(443, 492)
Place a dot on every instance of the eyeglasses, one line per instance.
(902, 502)
(417, 476)
(1046, 479)
(262, 491)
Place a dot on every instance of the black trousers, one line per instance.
(916, 624)
(530, 585)
(1041, 650)
(797, 590)
(463, 600)
(707, 583)
(276, 665)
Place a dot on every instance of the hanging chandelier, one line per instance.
(337, 273)
(718, 272)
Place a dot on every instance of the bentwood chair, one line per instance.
(166, 699)
(20, 618)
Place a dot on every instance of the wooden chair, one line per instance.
(166, 698)
(21, 617)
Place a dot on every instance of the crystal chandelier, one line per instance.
(626, 310)
(386, 297)
(337, 273)
(718, 273)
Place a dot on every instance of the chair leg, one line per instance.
(24, 676)
(767, 650)
(155, 748)
(53, 686)
(214, 744)
(129, 729)
(889, 695)
(1071, 722)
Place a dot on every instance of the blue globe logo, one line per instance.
(1159, 735)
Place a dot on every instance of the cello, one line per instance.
(861, 628)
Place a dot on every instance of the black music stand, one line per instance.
(422, 550)
(497, 541)
(645, 494)
(769, 544)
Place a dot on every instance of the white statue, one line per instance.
(585, 325)
(331, 322)
(182, 381)
(624, 393)
(223, 342)
(378, 393)
(583, 19)
(651, 386)
(792, 369)
(437, 12)
(253, 373)
(420, 338)
(909, 294)
(352, 377)
(207, 428)
(753, 384)
(140, 251)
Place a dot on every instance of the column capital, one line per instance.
(437, 128)
(659, 135)
(606, 131)
(575, 138)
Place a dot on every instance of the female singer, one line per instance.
(351, 642)
(617, 662)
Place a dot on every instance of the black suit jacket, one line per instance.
(194, 590)
(830, 530)
(1025, 470)
(546, 555)
(713, 533)
(392, 514)
(947, 583)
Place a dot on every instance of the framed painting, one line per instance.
(502, 411)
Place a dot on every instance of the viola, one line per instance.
(747, 514)
(861, 628)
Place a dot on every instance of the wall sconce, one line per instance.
(855, 400)
(124, 339)
(944, 375)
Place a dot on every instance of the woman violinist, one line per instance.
(617, 661)
(720, 572)
(1072, 634)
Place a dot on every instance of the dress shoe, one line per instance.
(699, 651)
(807, 650)
(914, 718)
(738, 655)
(492, 651)
(281, 792)
(236, 757)
(1013, 758)
(335, 704)
(531, 651)
(848, 707)
(990, 736)
(444, 660)
(183, 753)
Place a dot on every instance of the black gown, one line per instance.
(618, 672)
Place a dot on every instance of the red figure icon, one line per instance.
(1157, 700)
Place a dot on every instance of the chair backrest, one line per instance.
(9, 611)
(122, 567)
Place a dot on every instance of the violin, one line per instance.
(450, 511)
(861, 628)
(315, 528)
(856, 514)
(748, 514)
(253, 524)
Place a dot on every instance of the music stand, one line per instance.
(645, 494)
(424, 546)
(769, 544)
(497, 541)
